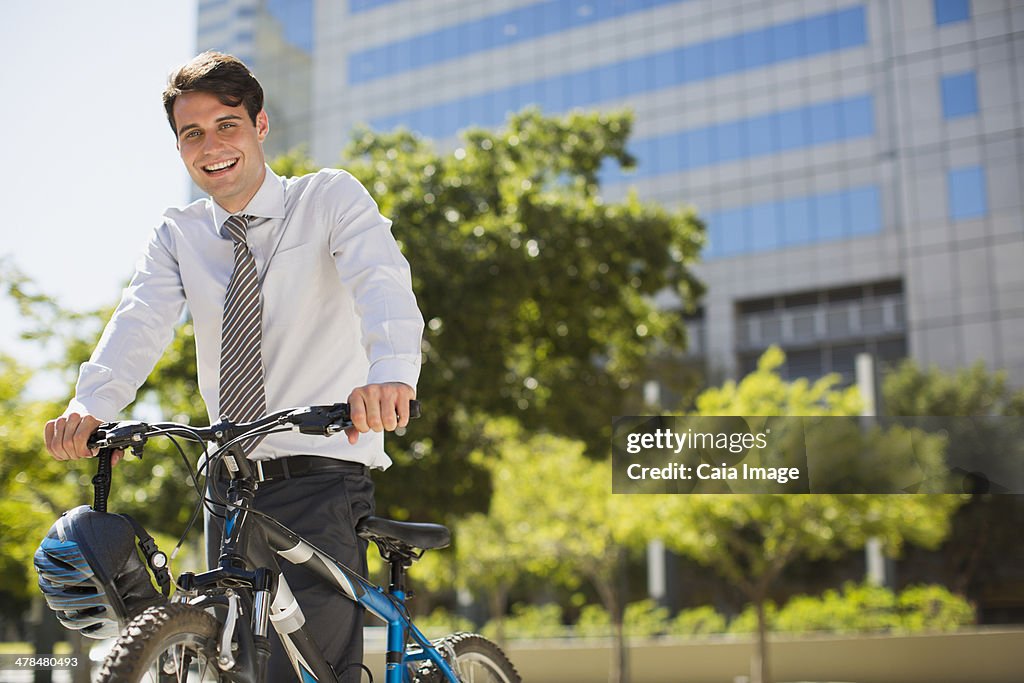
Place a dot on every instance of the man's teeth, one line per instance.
(219, 167)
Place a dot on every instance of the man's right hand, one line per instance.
(67, 436)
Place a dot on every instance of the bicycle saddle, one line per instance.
(410, 534)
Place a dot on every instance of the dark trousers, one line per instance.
(323, 508)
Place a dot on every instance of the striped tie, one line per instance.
(242, 396)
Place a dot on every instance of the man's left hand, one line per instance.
(380, 407)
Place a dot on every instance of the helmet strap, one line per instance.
(155, 559)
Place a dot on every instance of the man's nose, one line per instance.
(210, 144)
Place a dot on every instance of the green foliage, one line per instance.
(593, 622)
(750, 539)
(764, 393)
(933, 608)
(863, 608)
(441, 622)
(641, 619)
(746, 621)
(34, 488)
(70, 333)
(912, 391)
(528, 621)
(858, 607)
(537, 294)
(294, 163)
(645, 618)
(580, 533)
(698, 621)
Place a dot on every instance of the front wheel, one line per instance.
(168, 643)
(474, 660)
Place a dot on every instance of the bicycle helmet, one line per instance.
(92, 576)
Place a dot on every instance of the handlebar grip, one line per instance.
(414, 409)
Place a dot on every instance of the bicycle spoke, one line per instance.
(183, 666)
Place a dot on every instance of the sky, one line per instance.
(89, 162)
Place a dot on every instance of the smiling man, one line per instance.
(299, 296)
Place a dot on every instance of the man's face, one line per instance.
(221, 148)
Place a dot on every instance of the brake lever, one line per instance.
(328, 420)
(120, 435)
(318, 420)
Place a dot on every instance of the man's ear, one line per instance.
(262, 125)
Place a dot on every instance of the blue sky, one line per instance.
(89, 160)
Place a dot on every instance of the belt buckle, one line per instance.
(259, 470)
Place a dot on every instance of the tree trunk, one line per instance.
(759, 664)
(80, 646)
(499, 597)
(45, 634)
(613, 592)
(620, 665)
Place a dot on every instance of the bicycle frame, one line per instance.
(255, 540)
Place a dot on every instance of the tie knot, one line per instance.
(235, 227)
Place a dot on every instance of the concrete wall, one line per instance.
(979, 656)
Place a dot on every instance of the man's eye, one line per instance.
(192, 134)
(227, 125)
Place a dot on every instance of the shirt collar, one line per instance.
(268, 202)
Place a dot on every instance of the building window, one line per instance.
(967, 196)
(793, 221)
(951, 11)
(959, 95)
(823, 331)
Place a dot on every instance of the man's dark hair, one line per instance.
(218, 74)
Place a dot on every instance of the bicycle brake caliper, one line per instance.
(226, 660)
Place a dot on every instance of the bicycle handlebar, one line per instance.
(316, 420)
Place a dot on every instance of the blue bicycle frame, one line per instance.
(285, 614)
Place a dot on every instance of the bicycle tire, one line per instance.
(140, 653)
(476, 660)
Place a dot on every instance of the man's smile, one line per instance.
(212, 169)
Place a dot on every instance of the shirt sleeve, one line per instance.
(137, 334)
(371, 265)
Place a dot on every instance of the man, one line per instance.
(298, 296)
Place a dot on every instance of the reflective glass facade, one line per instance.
(701, 61)
(967, 193)
(487, 33)
(275, 39)
(959, 95)
(759, 136)
(795, 221)
(952, 11)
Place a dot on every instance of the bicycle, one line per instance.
(215, 626)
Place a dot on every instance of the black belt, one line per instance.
(302, 465)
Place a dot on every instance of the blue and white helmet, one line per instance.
(91, 574)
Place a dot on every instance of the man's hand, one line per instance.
(68, 435)
(380, 407)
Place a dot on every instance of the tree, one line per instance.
(32, 487)
(983, 537)
(551, 515)
(537, 294)
(751, 539)
(154, 491)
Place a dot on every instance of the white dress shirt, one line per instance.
(338, 306)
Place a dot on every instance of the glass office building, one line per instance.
(858, 164)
